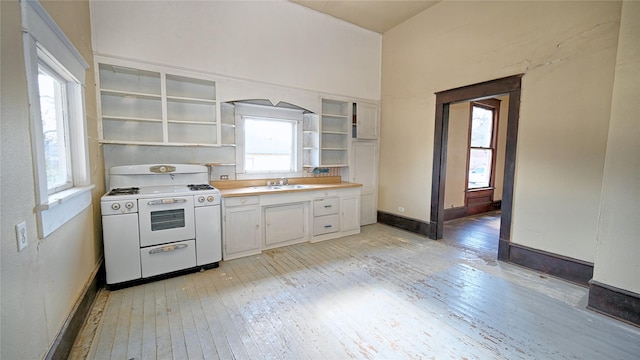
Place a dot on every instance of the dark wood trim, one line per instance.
(63, 343)
(485, 90)
(411, 225)
(569, 269)
(439, 171)
(510, 165)
(618, 303)
(504, 86)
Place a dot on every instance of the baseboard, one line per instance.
(611, 301)
(412, 225)
(63, 343)
(569, 269)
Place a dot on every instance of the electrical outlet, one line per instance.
(21, 235)
(400, 208)
(224, 177)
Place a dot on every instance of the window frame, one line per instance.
(492, 105)
(243, 110)
(44, 42)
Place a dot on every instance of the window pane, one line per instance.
(52, 111)
(479, 168)
(481, 127)
(268, 145)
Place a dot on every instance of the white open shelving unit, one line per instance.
(335, 131)
(148, 105)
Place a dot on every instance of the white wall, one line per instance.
(566, 51)
(618, 245)
(41, 284)
(276, 42)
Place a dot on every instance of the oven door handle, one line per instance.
(167, 248)
(166, 201)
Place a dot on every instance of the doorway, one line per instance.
(505, 86)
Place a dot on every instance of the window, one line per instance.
(268, 140)
(55, 73)
(269, 145)
(482, 144)
(55, 129)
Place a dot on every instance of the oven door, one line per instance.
(166, 219)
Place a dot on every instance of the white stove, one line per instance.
(159, 219)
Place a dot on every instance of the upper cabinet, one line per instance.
(335, 131)
(365, 121)
(150, 106)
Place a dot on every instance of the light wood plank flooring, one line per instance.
(383, 294)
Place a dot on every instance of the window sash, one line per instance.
(273, 158)
(55, 130)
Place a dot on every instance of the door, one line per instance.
(509, 85)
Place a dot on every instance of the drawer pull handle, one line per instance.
(328, 226)
(327, 206)
(166, 201)
(167, 248)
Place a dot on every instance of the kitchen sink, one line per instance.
(280, 187)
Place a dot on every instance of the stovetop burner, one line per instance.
(124, 191)
(196, 187)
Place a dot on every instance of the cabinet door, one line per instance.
(350, 207)
(365, 165)
(368, 211)
(284, 224)
(241, 231)
(365, 172)
(367, 121)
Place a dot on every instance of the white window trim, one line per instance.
(251, 110)
(43, 39)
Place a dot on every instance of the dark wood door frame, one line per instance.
(504, 86)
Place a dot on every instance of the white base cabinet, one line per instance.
(241, 227)
(255, 223)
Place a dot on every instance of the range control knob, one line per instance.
(115, 206)
(129, 205)
(210, 198)
(201, 199)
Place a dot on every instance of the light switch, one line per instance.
(21, 235)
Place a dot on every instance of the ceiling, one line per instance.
(375, 15)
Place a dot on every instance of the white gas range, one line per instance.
(159, 219)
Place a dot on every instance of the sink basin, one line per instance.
(280, 187)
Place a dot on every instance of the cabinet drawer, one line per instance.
(326, 206)
(326, 224)
(163, 259)
(241, 200)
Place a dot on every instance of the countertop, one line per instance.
(236, 188)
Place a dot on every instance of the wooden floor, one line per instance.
(383, 294)
(477, 233)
